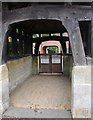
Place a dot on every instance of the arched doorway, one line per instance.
(23, 59)
(50, 47)
(50, 57)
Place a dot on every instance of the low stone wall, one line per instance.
(35, 65)
(92, 89)
(11, 75)
(67, 65)
(4, 88)
(19, 70)
(81, 92)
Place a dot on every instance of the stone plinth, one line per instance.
(81, 92)
(4, 88)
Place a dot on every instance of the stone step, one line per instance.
(13, 112)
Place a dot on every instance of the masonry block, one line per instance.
(4, 88)
(81, 92)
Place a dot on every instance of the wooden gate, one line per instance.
(50, 63)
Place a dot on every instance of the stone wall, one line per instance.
(92, 88)
(67, 65)
(19, 70)
(4, 88)
(81, 92)
(11, 75)
(35, 65)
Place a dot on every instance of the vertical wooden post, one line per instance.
(1, 41)
(61, 60)
(15, 46)
(92, 30)
(50, 63)
(39, 62)
(20, 43)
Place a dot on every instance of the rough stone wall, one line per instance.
(19, 70)
(67, 65)
(92, 89)
(4, 88)
(81, 92)
(35, 65)
(68, 15)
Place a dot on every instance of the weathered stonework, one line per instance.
(67, 65)
(81, 92)
(11, 75)
(19, 70)
(69, 16)
(35, 65)
(4, 88)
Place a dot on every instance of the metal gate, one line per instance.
(50, 63)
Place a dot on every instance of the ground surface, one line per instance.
(43, 92)
(39, 113)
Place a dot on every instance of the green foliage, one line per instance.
(45, 35)
(35, 35)
(52, 49)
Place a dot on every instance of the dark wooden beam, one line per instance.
(92, 30)
(1, 42)
(57, 38)
(15, 46)
(37, 47)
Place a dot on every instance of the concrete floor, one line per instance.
(43, 92)
(40, 113)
